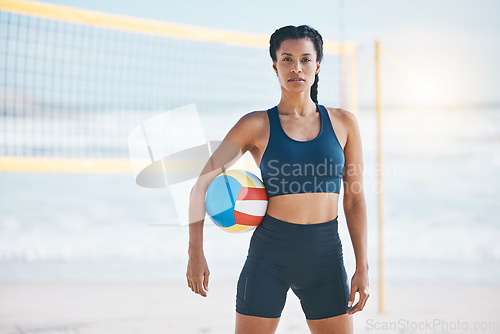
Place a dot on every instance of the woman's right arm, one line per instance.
(239, 139)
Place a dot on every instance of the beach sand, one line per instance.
(100, 308)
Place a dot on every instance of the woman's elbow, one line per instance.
(353, 200)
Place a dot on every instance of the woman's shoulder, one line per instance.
(347, 118)
(344, 123)
(341, 113)
(257, 114)
(247, 129)
(255, 118)
(251, 122)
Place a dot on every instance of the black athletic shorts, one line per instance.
(306, 258)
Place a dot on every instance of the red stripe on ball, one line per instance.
(247, 193)
(246, 219)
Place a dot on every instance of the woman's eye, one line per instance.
(304, 60)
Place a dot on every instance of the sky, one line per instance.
(449, 48)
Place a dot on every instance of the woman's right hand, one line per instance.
(197, 274)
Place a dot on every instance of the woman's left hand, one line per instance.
(359, 283)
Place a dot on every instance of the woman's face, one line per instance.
(296, 59)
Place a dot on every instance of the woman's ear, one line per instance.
(275, 68)
(317, 67)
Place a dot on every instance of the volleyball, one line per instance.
(236, 201)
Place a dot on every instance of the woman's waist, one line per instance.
(307, 209)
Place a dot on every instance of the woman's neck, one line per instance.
(298, 104)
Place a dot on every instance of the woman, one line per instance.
(304, 151)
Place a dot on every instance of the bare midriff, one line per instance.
(307, 208)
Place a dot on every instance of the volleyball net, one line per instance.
(75, 82)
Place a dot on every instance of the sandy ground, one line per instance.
(124, 308)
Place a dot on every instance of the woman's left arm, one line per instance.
(355, 211)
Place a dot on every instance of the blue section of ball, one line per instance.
(221, 198)
(224, 219)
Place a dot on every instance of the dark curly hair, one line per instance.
(297, 32)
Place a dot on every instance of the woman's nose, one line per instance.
(296, 67)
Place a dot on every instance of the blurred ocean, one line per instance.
(442, 195)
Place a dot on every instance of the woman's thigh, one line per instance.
(246, 324)
(341, 324)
